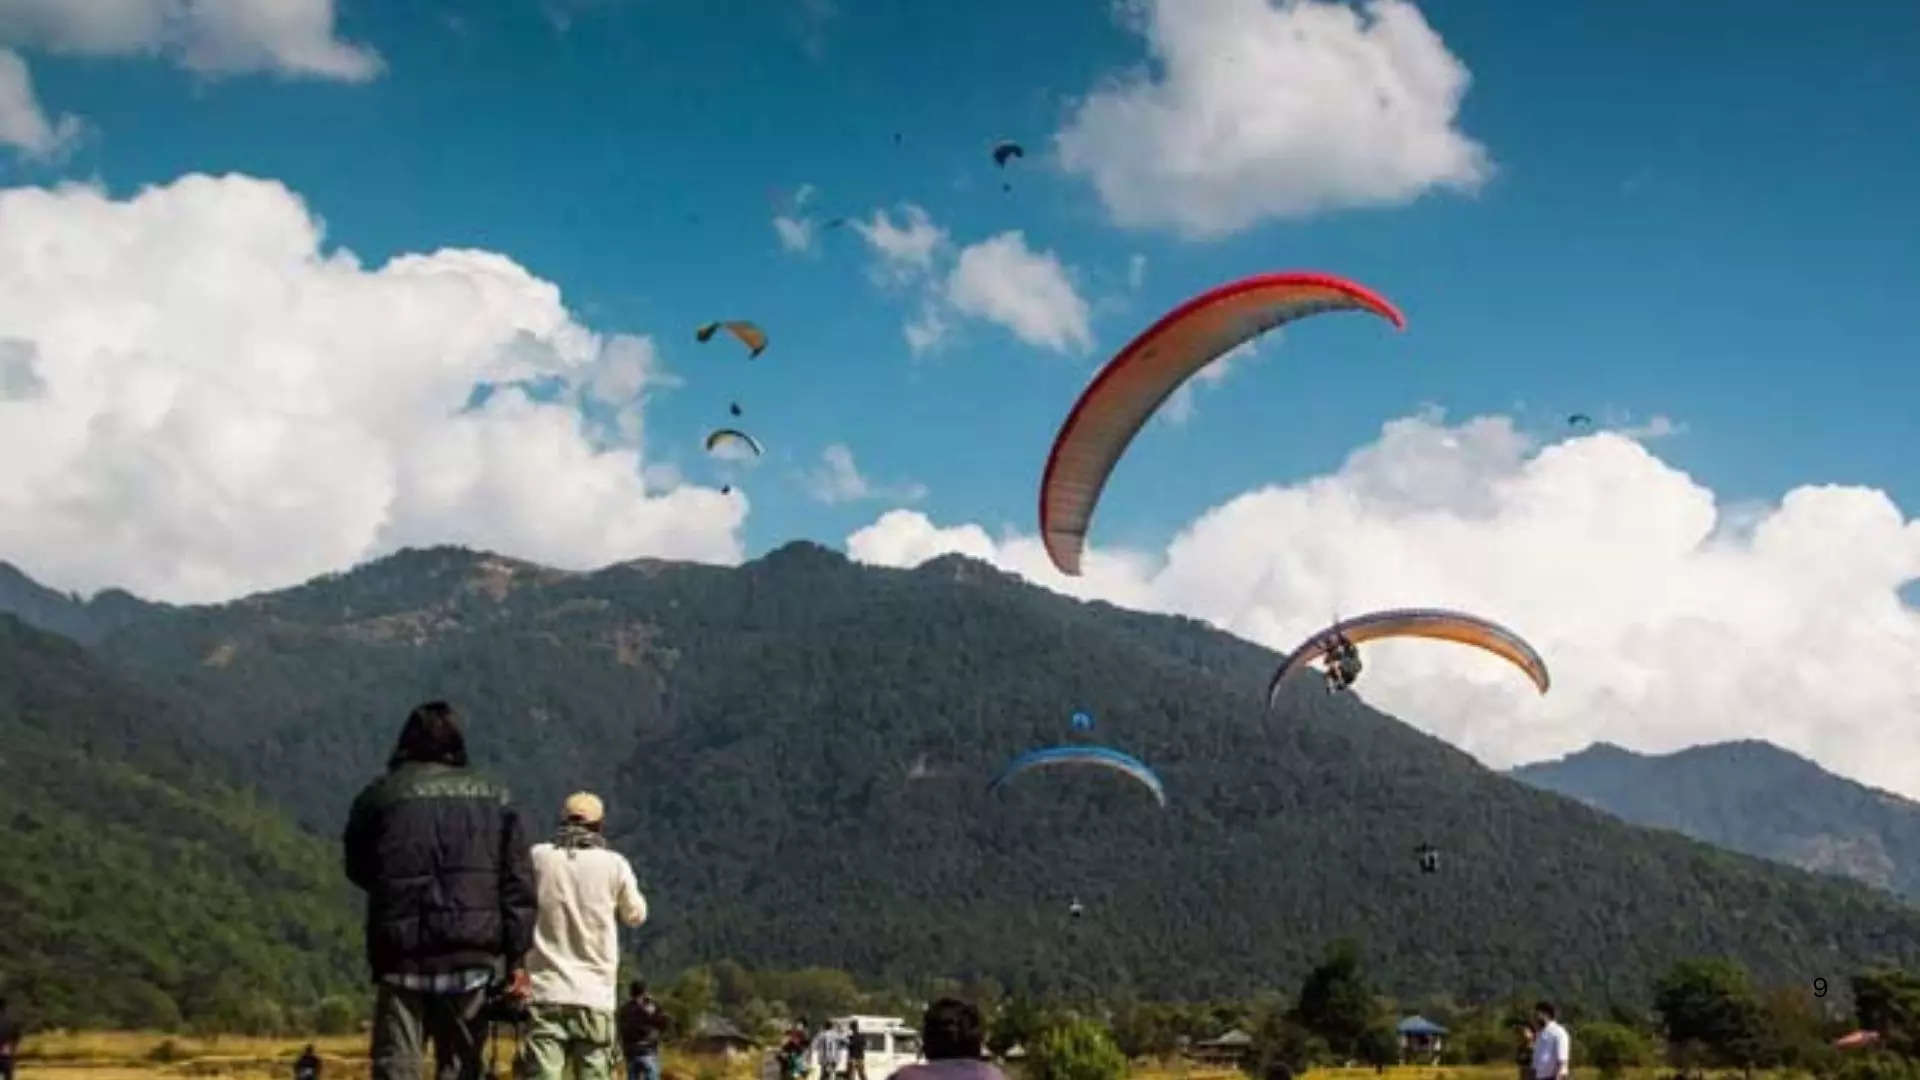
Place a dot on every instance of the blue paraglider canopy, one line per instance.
(1083, 721)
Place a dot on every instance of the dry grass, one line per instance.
(138, 1055)
(148, 1055)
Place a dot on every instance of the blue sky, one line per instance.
(1703, 211)
(1695, 223)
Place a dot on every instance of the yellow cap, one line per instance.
(584, 807)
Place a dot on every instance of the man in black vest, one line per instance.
(443, 860)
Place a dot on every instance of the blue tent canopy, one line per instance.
(1419, 1025)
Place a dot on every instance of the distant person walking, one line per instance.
(443, 861)
(10, 1032)
(856, 1052)
(586, 890)
(951, 1034)
(641, 1022)
(826, 1051)
(1552, 1046)
(307, 1067)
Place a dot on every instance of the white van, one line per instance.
(891, 1044)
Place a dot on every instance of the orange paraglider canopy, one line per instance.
(1132, 385)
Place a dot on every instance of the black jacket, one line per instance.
(640, 1022)
(443, 860)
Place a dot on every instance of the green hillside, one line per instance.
(796, 752)
(138, 889)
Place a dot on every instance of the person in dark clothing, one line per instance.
(856, 1051)
(443, 859)
(10, 1032)
(308, 1065)
(641, 1020)
(951, 1035)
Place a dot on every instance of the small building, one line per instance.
(1231, 1048)
(717, 1035)
(1421, 1039)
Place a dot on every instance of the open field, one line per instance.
(135, 1055)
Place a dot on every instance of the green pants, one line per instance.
(566, 1038)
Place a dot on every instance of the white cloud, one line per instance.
(998, 280)
(796, 234)
(23, 123)
(906, 250)
(1027, 292)
(224, 405)
(1136, 271)
(286, 37)
(837, 479)
(1667, 619)
(1255, 110)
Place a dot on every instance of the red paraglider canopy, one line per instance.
(1125, 393)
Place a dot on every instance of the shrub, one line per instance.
(1613, 1048)
(1075, 1049)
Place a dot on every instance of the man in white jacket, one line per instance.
(572, 969)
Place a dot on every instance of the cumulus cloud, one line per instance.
(837, 479)
(24, 125)
(1668, 619)
(220, 404)
(999, 280)
(285, 37)
(1002, 281)
(905, 250)
(1255, 110)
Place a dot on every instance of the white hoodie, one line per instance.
(575, 958)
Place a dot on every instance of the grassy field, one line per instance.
(135, 1055)
(140, 1055)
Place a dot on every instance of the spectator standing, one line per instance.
(1552, 1046)
(856, 1052)
(826, 1051)
(441, 855)
(641, 1022)
(586, 890)
(951, 1034)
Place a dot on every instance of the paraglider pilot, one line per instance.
(1343, 663)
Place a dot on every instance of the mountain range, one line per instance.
(795, 754)
(1754, 797)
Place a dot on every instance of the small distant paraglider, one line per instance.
(754, 338)
(733, 408)
(1580, 421)
(730, 437)
(1429, 858)
(1083, 721)
(1004, 151)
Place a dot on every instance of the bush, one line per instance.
(1075, 1049)
(1613, 1048)
(333, 1016)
